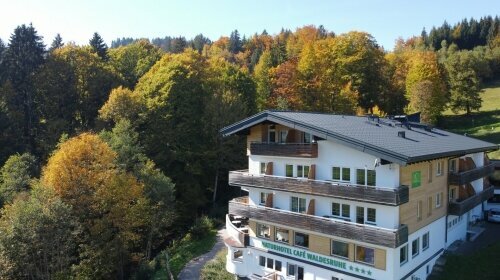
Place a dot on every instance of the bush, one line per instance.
(216, 268)
(201, 227)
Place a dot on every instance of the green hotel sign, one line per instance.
(324, 260)
(416, 178)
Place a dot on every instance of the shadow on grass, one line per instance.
(482, 125)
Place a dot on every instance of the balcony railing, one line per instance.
(392, 238)
(303, 150)
(468, 176)
(379, 195)
(237, 237)
(464, 206)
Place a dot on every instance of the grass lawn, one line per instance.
(216, 268)
(483, 265)
(484, 125)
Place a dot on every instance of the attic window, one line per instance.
(401, 134)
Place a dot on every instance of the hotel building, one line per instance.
(344, 197)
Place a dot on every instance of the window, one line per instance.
(298, 204)
(291, 268)
(371, 215)
(272, 134)
(340, 249)
(289, 170)
(439, 169)
(262, 168)
(430, 172)
(282, 235)
(415, 247)
(365, 177)
(283, 135)
(263, 198)
(262, 261)
(425, 241)
(263, 231)
(452, 194)
(416, 179)
(439, 197)
(277, 265)
(453, 166)
(360, 215)
(341, 210)
(370, 177)
(341, 174)
(238, 255)
(360, 176)
(365, 255)
(419, 210)
(301, 239)
(429, 206)
(302, 171)
(306, 137)
(270, 263)
(403, 254)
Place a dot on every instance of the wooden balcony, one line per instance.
(459, 208)
(302, 150)
(392, 238)
(468, 176)
(378, 195)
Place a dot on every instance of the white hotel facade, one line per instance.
(342, 197)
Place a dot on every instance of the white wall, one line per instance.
(386, 216)
(436, 242)
(457, 231)
(331, 154)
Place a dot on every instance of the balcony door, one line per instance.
(300, 273)
(360, 215)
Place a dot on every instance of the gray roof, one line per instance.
(378, 137)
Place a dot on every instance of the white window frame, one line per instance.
(439, 198)
(280, 136)
(263, 195)
(258, 233)
(356, 255)
(414, 254)
(262, 164)
(368, 221)
(341, 210)
(304, 176)
(439, 168)
(298, 204)
(428, 241)
(341, 179)
(406, 255)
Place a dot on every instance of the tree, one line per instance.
(98, 46)
(234, 44)
(122, 104)
(56, 43)
(37, 240)
(16, 175)
(425, 87)
(25, 54)
(262, 80)
(464, 81)
(199, 42)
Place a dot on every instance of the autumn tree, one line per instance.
(122, 104)
(425, 86)
(262, 79)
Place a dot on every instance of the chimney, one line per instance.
(401, 134)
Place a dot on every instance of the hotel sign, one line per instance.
(309, 256)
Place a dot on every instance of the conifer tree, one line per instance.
(98, 46)
(56, 43)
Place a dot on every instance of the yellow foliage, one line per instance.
(122, 104)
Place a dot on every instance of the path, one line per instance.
(192, 270)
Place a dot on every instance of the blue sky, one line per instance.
(385, 20)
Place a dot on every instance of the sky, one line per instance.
(386, 20)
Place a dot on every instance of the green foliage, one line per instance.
(98, 46)
(16, 175)
(262, 79)
(37, 240)
(201, 227)
(122, 104)
(216, 269)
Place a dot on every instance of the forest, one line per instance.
(109, 154)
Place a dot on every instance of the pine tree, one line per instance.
(234, 44)
(98, 46)
(56, 43)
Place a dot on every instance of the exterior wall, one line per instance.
(386, 216)
(457, 228)
(408, 211)
(436, 244)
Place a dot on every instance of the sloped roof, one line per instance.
(378, 137)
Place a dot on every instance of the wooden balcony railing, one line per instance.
(459, 208)
(468, 176)
(379, 195)
(392, 238)
(303, 150)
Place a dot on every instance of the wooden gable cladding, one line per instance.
(311, 208)
(312, 172)
(420, 194)
(269, 200)
(269, 168)
(293, 136)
